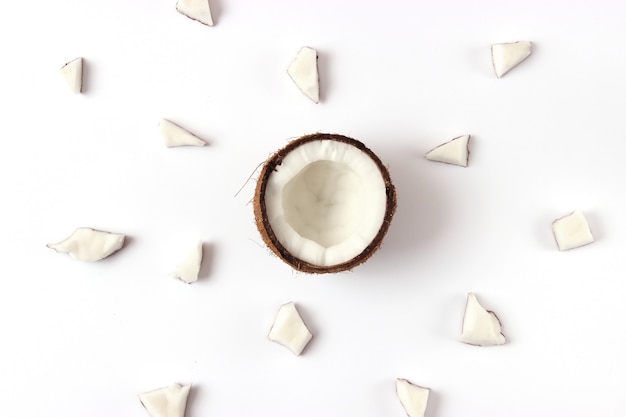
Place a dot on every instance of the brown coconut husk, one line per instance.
(265, 228)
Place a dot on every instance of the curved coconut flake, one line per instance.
(89, 245)
(175, 135)
(303, 71)
(326, 202)
(189, 269)
(480, 327)
(455, 152)
(413, 398)
(166, 402)
(572, 231)
(199, 10)
(289, 329)
(506, 56)
(72, 72)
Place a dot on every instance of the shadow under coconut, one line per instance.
(420, 213)
(208, 256)
(325, 79)
(217, 10)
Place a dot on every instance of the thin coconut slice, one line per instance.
(89, 245)
(480, 327)
(199, 10)
(324, 203)
(289, 329)
(175, 135)
(189, 269)
(303, 71)
(166, 402)
(72, 72)
(572, 231)
(455, 152)
(413, 398)
(506, 56)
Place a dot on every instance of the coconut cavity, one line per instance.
(323, 203)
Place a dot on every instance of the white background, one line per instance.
(81, 339)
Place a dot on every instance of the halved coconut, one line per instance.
(324, 203)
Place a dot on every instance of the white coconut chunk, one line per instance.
(316, 202)
(72, 72)
(303, 71)
(572, 231)
(175, 135)
(455, 151)
(506, 56)
(199, 10)
(166, 402)
(89, 245)
(289, 330)
(480, 327)
(189, 269)
(413, 398)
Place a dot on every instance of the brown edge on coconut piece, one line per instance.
(265, 229)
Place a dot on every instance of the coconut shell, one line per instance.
(265, 228)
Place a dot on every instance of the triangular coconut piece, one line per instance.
(303, 71)
(189, 269)
(89, 245)
(199, 10)
(480, 327)
(174, 135)
(73, 74)
(166, 402)
(455, 152)
(289, 330)
(413, 398)
(572, 231)
(506, 56)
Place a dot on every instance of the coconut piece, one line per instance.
(199, 10)
(289, 329)
(480, 327)
(455, 152)
(166, 402)
(175, 135)
(413, 398)
(72, 72)
(506, 56)
(324, 203)
(189, 269)
(572, 231)
(303, 71)
(89, 245)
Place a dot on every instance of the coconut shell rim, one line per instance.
(265, 228)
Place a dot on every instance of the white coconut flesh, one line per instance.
(304, 73)
(506, 56)
(413, 398)
(572, 231)
(174, 135)
(480, 326)
(166, 402)
(455, 152)
(199, 10)
(289, 329)
(189, 269)
(89, 245)
(326, 202)
(72, 72)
